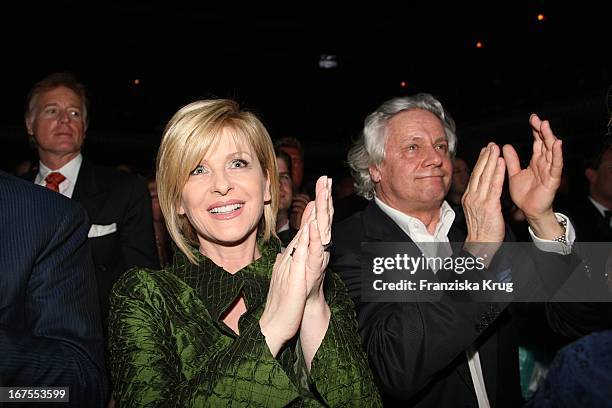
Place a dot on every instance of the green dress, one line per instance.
(169, 347)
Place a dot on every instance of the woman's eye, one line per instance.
(442, 147)
(75, 114)
(412, 147)
(238, 163)
(198, 170)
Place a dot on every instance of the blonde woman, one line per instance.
(233, 322)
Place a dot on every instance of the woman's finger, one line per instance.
(309, 214)
(290, 249)
(322, 206)
(298, 259)
(330, 209)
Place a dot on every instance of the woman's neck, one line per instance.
(232, 258)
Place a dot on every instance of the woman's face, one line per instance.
(225, 194)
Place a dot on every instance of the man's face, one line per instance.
(286, 186)
(461, 176)
(601, 179)
(415, 174)
(58, 124)
(297, 165)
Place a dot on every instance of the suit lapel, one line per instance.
(31, 175)
(85, 183)
(378, 226)
(86, 190)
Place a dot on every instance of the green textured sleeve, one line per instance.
(165, 352)
(340, 372)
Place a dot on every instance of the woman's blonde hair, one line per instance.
(189, 135)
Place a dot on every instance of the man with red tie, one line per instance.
(117, 203)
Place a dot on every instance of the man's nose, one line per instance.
(434, 156)
(63, 116)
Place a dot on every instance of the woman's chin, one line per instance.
(228, 239)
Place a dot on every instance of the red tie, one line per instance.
(53, 180)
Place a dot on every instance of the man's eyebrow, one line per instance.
(418, 137)
(71, 106)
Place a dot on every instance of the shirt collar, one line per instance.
(284, 227)
(415, 228)
(599, 207)
(70, 170)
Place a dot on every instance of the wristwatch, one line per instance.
(562, 238)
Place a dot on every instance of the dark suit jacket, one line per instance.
(589, 223)
(50, 331)
(581, 318)
(417, 349)
(112, 197)
(286, 236)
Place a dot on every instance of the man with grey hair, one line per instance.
(449, 352)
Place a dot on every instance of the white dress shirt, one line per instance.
(70, 170)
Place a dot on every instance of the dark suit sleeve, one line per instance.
(408, 343)
(59, 341)
(137, 234)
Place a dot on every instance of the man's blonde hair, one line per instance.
(188, 137)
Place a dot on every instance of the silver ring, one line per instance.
(327, 246)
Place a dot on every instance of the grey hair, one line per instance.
(51, 82)
(369, 149)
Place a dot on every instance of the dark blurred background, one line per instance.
(491, 63)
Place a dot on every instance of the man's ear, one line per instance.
(374, 173)
(591, 175)
(28, 124)
(31, 139)
(267, 192)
